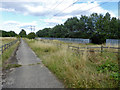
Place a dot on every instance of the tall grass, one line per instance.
(5, 40)
(6, 55)
(75, 69)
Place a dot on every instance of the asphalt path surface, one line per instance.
(32, 73)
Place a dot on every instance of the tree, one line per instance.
(7, 34)
(71, 26)
(96, 27)
(12, 34)
(98, 35)
(43, 33)
(31, 35)
(113, 32)
(58, 31)
(22, 33)
(118, 31)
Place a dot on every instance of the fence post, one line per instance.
(9, 44)
(2, 48)
(87, 49)
(101, 49)
(6, 46)
(68, 46)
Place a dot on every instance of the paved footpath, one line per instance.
(30, 74)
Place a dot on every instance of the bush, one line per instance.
(31, 35)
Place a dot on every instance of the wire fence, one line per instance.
(100, 49)
(6, 46)
(112, 42)
(71, 40)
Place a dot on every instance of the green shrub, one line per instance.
(31, 35)
(110, 67)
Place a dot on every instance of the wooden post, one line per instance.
(101, 49)
(5, 47)
(2, 48)
(68, 46)
(87, 49)
(9, 44)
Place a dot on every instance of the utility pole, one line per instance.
(119, 9)
(32, 28)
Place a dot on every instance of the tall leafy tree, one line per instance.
(99, 33)
(118, 31)
(96, 27)
(12, 34)
(43, 33)
(71, 26)
(7, 34)
(113, 32)
(22, 33)
(58, 31)
(31, 35)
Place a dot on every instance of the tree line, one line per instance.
(96, 27)
(7, 34)
(31, 35)
(22, 33)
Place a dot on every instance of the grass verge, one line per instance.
(78, 69)
(8, 66)
(6, 63)
(5, 40)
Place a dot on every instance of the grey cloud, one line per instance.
(11, 23)
(51, 24)
(19, 7)
(80, 12)
(39, 14)
(25, 26)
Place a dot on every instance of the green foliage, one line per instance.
(7, 34)
(115, 75)
(110, 67)
(6, 55)
(12, 34)
(43, 33)
(96, 27)
(31, 35)
(22, 33)
(77, 70)
(18, 36)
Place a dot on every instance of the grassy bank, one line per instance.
(77, 70)
(5, 63)
(5, 40)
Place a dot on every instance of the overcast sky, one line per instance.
(18, 14)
